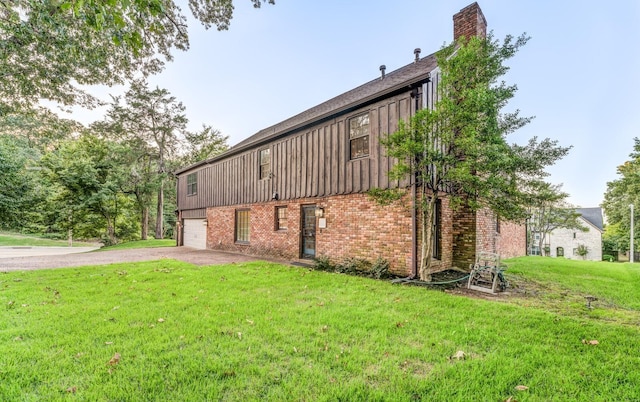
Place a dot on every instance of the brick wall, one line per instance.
(359, 227)
(356, 227)
(505, 238)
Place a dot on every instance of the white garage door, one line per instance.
(195, 233)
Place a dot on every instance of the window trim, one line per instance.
(366, 137)
(267, 171)
(278, 220)
(436, 252)
(192, 188)
(237, 224)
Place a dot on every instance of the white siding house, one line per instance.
(567, 242)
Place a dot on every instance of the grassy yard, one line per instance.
(18, 240)
(171, 331)
(150, 243)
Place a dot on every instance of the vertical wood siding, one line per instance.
(310, 163)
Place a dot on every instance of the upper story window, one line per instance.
(192, 184)
(265, 163)
(359, 136)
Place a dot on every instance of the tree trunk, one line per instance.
(160, 211)
(144, 222)
(427, 216)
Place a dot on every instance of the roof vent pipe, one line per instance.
(417, 51)
(382, 70)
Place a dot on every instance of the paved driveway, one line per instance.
(187, 254)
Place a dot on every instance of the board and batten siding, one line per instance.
(314, 162)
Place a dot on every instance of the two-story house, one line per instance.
(297, 189)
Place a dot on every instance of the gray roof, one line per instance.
(592, 215)
(401, 78)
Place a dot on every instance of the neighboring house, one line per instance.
(297, 190)
(566, 242)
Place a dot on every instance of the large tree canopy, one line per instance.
(48, 49)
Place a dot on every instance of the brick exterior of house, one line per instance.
(356, 226)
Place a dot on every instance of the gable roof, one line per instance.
(593, 216)
(401, 79)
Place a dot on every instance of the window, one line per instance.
(359, 136)
(574, 235)
(192, 184)
(242, 226)
(281, 218)
(498, 224)
(437, 233)
(559, 252)
(265, 164)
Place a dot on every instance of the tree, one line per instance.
(155, 122)
(204, 144)
(17, 185)
(50, 49)
(621, 193)
(459, 147)
(548, 211)
(89, 176)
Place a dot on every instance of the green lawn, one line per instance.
(170, 331)
(18, 240)
(151, 243)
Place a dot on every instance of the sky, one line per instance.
(579, 75)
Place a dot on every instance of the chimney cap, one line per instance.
(417, 51)
(382, 70)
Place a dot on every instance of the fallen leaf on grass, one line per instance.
(160, 319)
(114, 360)
(459, 355)
(510, 399)
(591, 342)
(239, 335)
(521, 387)
(108, 343)
(72, 390)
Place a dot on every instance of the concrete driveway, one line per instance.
(38, 260)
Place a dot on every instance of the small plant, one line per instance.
(380, 268)
(322, 263)
(582, 251)
(607, 257)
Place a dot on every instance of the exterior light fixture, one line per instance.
(319, 212)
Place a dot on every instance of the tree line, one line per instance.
(109, 180)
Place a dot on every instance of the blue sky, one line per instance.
(579, 74)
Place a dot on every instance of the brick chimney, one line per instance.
(469, 22)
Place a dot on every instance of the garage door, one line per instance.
(195, 233)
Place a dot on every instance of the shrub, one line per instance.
(379, 269)
(322, 263)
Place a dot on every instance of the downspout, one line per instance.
(415, 94)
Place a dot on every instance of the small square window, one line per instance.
(242, 226)
(359, 136)
(192, 184)
(281, 218)
(265, 163)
